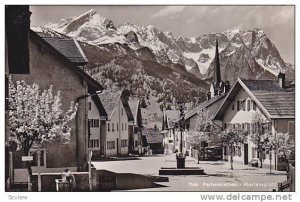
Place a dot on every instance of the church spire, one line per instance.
(217, 74)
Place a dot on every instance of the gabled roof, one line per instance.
(134, 107)
(69, 48)
(110, 99)
(203, 105)
(274, 101)
(171, 117)
(152, 135)
(92, 84)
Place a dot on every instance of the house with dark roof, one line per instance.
(169, 121)
(154, 140)
(47, 66)
(135, 129)
(271, 99)
(115, 117)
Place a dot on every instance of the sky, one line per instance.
(190, 21)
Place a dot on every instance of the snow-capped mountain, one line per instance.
(248, 53)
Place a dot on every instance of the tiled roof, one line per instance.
(276, 100)
(69, 48)
(109, 100)
(92, 84)
(203, 105)
(134, 106)
(152, 135)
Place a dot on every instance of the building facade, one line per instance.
(135, 129)
(269, 99)
(115, 141)
(47, 66)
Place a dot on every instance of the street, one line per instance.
(219, 175)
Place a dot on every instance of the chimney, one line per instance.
(208, 95)
(281, 79)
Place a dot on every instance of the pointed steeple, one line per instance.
(217, 74)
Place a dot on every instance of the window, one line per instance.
(96, 123)
(122, 111)
(238, 105)
(124, 143)
(113, 127)
(248, 105)
(108, 126)
(90, 106)
(237, 151)
(122, 126)
(93, 123)
(110, 145)
(94, 143)
(125, 126)
(253, 105)
(232, 106)
(243, 105)
(225, 125)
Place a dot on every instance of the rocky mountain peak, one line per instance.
(196, 54)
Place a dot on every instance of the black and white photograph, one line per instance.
(149, 98)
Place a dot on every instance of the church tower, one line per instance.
(217, 74)
(217, 84)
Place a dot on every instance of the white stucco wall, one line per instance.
(117, 135)
(241, 116)
(94, 114)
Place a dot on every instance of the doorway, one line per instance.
(118, 147)
(246, 160)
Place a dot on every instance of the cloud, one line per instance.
(169, 11)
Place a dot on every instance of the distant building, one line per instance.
(114, 140)
(47, 66)
(154, 140)
(171, 141)
(135, 130)
(274, 101)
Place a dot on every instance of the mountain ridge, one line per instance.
(195, 54)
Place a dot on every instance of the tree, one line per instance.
(231, 137)
(260, 134)
(204, 131)
(283, 146)
(36, 117)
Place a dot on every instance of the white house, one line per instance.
(135, 130)
(171, 141)
(274, 101)
(115, 139)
